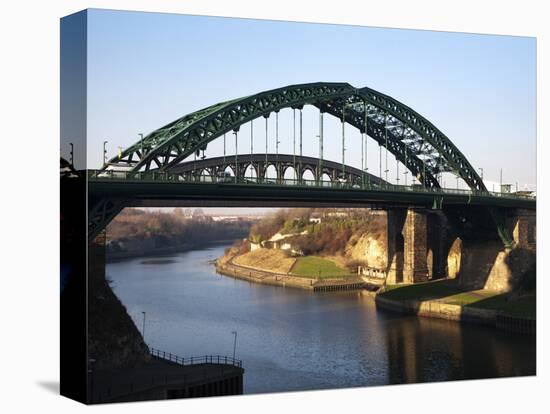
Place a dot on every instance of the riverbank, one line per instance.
(227, 267)
(112, 257)
(440, 299)
(444, 300)
(186, 301)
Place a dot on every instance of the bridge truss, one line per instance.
(415, 142)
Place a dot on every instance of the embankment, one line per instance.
(227, 267)
(441, 310)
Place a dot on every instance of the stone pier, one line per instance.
(524, 229)
(415, 246)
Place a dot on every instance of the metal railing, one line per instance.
(156, 176)
(204, 359)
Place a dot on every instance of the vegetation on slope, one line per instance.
(172, 227)
(317, 267)
(449, 291)
(266, 259)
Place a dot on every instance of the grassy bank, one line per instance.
(448, 291)
(317, 267)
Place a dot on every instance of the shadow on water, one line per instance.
(158, 261)
(427, 350)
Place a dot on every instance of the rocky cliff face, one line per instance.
(113, 339)
(371, 246)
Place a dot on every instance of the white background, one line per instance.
(29, 236)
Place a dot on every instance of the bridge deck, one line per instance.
(156, 189)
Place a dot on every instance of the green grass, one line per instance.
(524, 307)
(312, 266)
(422, 291)
(448, 291)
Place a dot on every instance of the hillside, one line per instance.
(266, 259)
(138, 230)
(347, 237)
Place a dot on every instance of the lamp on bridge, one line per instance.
(105, 152)
(234, 343)
(72, 153)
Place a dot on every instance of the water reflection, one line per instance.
(295, 340)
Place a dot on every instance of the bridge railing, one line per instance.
(203, 359)
(156, 176)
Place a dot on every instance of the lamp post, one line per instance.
(72, 153)
(105, 152)
(141, 144)
(234, 343)
(143, 327)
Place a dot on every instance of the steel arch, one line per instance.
(411, 138)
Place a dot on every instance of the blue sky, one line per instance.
(147, 69)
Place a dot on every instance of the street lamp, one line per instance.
(234, 343)
(143, 327)
(72, 153)
(141, 144)
(105, 152)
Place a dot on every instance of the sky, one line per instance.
(147, 69)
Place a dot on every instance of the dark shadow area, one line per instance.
(429, 350)
(524, 306)
(523, 262)
(439, 244)
(396, 242)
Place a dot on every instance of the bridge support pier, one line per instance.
(415, 246)
(524, 229)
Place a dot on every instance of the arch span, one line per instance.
(412, 139)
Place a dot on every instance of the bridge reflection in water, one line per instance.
(290, 339)
(449, 351)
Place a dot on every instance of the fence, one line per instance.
(161, 176)
(204, 359)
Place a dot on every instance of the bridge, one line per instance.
(162, 168)
(254, 168)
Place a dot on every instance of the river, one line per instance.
(291, 340)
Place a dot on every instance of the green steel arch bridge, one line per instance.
(157, 169)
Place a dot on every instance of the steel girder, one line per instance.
(411, 138)
(281, 162)
(100, 214)
(377, 130)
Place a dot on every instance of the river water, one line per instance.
(291, 340)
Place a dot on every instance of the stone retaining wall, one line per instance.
(441, 310)
(276, 279)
